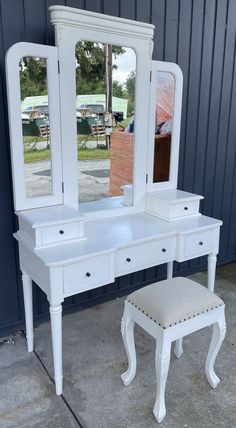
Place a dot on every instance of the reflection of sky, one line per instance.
(125, 63)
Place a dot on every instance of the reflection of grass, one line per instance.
(86, 154)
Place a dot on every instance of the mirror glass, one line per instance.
(105, 92)
(35, 126)
(164, 125)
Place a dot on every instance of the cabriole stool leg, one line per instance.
(219, 330)
(127, 331)
(162, 360)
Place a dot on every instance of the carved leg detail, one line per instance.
(211, 272)
(127, 331)
(178, 348)
(28, 303)
(56, 327)
(162, 359)
(219, 330)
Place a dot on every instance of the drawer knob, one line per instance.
(163, 250)
(186, 208)
(88, 274)
(61, 232)
(200, 243)
(128, 259)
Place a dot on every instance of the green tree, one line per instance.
(130, 89)
(117, 89)
(33, 76)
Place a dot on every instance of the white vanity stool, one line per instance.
(168, 311)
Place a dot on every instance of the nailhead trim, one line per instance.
(171, 325)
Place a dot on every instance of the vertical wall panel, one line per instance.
(200, 35)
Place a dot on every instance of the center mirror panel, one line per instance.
(105, 99)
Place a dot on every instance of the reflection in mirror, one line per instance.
(164, 126)
(105, 89)
(35, 126)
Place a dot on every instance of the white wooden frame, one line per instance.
(174, 69)
(13, 57)
(72, 26)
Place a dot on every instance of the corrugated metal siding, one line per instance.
(200, 36)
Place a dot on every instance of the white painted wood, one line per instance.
(170, 270)
(172, 204)
(174, 155)
(127, 331)
(212, 259)
(164, 337)
(219, 331)
(72, 26)
(90, 273)
(56, 327)
(28, 303)
(138, 257)
(13, 57)
(162, 361)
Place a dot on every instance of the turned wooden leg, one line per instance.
(162, 359)
(211, 272)
(127, 331)
(56, 328)
(219, 330)
(28, 303)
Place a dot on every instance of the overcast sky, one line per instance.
(126, 63)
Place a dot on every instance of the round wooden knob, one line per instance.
(61, 232)
(128, 259)
(186, 208)
(200, 243)
(88, 274)
(163, 250)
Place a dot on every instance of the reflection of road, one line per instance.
(93, 177)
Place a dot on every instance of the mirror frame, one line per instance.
(13, 57)
(167, 67)
(74, 25)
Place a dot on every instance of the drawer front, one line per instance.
(145, 255)
(87, 274)
(197, 244)
(186, 208)
(59, 233)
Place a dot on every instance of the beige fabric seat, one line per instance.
(168, 303)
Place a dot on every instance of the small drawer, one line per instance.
(59, 232)
(197, 244)
(185, 209)
(140, 256)
(87, 274)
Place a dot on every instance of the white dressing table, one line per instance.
(66, 249)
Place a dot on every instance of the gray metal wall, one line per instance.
(200, 36)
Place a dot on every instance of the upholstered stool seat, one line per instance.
(169, 310)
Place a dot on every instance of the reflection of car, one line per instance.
(99, 110)
(40, 110)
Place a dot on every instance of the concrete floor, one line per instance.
(94, 358)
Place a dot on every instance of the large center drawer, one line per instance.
(144, 255)
(88, 274)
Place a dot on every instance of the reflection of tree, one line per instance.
(130, 89)
(33, 76)
(90, 67)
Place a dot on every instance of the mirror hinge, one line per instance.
(58, 66)
(146, 178)
(62, 187)
(150, 75)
